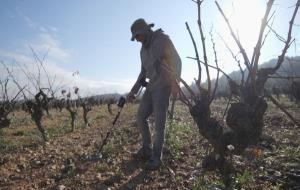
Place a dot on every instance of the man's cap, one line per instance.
(139, 26)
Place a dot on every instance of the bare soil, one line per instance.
(70, 160)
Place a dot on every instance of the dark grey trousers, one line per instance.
(154, 101)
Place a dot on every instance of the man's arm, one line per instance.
(170, 76)
(169, 61)
(136, 87)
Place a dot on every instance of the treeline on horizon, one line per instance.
(288, 72)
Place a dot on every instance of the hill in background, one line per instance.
(289, 68)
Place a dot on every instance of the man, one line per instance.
(161, 64)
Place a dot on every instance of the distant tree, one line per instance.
(37, 100)
(7, 103)
(72, 106)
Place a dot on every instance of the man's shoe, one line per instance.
(143, 154)
(154, 163)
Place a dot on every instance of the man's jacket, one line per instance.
(161, 63)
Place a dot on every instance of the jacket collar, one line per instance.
(150, 36)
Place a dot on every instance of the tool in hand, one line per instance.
(121, 103)
(144, 84)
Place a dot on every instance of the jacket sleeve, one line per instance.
(142, 76)
(169, 61)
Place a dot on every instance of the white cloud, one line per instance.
(30, 22)
(46, 43)
(92, 87)
(53, 28)
(60, 78)
(42, 29)
(38, 27)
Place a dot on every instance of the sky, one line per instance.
(87, 43)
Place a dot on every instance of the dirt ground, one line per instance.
(70, 160)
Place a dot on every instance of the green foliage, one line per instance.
(179, 178)
(219, 183)
(80, 125)
(109, 150)
(10, 141)
(100, 116)
(289, 151)
(57, 131)
(199, 184)
(6, 143)
(102, 167)
(214, 184)
(1, 132)
(175, 137)
(23, 133)
(118, 171)
(243, 178)
(175, 146)
(21, 120)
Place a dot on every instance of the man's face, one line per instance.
(140, 38)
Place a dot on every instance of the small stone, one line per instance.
(261, 168)
(98, 176)
(269, 162)
(61, 187)
(230, 147)
(171, 171)
(277, 174)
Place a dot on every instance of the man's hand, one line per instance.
(130, 97)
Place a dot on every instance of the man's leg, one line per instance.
(160, 98)
(144, 111)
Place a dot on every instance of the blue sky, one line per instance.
(93, 36)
